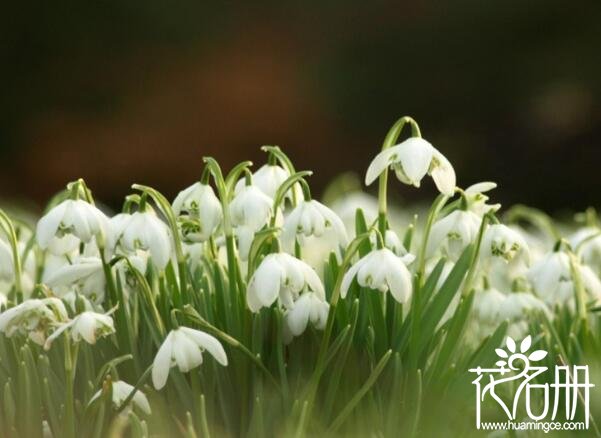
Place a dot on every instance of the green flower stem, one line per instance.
(437, 206)
(9, 230)
(70, 365)
(390, 140)
(280, 194)
(276, 152)
(535, 217)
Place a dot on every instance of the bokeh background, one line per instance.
(138, 91)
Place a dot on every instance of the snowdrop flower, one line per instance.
(487, 305)
(268, 178)
(33, 317)
(412, 160)
(3, 301)
(476, 199)
(308, 308)
(72, 217)
(517, 308)
(184, 347)
(587, 243)
(552, 279)
(202, 207)
(500, 241)
(143, 230)
(88, 326)
(281, 276)
(120, 393)
(85, 274)
(453, 233)
(250, 211)
(382, 270)
(312, 218)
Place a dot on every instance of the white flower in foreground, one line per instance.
(202, 206)
(453, 233)
(85, 274)
(309, 307)
(121, 391)
(88, 326)
(250, 210)
(184, 347)
(587, 243)
(143, 231)
(476, 199)
(312, 218)
(268, 178)
(487, 306)
(281, 276)
(552, 279)
(72, 217)
(500, 241)
(33, 317)
(412, 160)
(382, 270)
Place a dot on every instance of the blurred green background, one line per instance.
(138, 91)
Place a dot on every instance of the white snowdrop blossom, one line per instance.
(201, 206)
(382, 270)
(250, 211)
(412, 160)
(476, 199)
(33, 317)
(143, 230)
(120, 392)
(184, 347)
(268, 178)
(453, 233)
(552, 279)
(312, 218)
(72, 217)
(281, 276)
(309, 307)
(88, 326)
(85, 274)
(500, 241)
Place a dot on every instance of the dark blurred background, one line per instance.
(138, 91)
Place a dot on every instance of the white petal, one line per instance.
(443, 175)
(162, 363)
(415, 156)
(208, 343)
(379, 163)
(49, 223)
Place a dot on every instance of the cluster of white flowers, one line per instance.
(82, 249)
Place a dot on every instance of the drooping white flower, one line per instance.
(453, 233)
(143, 230)
(85, 274)
(88, 326)
(121, 391)
(184, 347)
(382, 270)
(33, 317)
(312, 218)
(553, 281)
(200, 205)
(281, 276)
(250, 211)
(500, 241)
(72, 217)
(412, 160)
(587, 243)
(309, 307)
(268, 178)
(476, 199)
(487, 306)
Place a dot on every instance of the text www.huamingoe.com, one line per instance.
(545, 426)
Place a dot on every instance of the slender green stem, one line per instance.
(8, 228)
